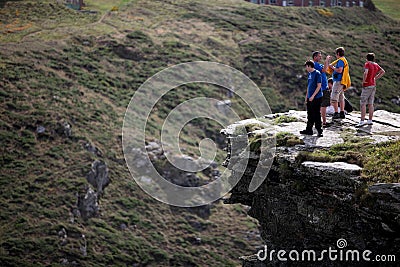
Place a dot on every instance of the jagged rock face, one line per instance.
(87, 200)
(98, 176)
(311, 205)
(168, 170)
(87, 204)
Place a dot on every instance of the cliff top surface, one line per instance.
(385, 127)
(373, 149)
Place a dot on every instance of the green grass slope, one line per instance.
(389, 7)
(58, 65)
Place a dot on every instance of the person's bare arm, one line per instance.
(326, 64)
(379, 73)
(365, 76)
(338, 69)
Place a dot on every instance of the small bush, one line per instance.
(288, 139)
(285, 119)
(325, 12)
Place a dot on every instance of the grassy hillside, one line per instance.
(389, 7)
(61, 66)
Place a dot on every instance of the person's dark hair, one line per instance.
(340, 51)
(370, 56)
(330, 80)
(315, 53)
(309, 63)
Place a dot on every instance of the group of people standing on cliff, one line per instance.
(323, 92)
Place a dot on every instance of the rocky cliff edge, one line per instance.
(311, 205)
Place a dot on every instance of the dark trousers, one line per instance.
(314, 114)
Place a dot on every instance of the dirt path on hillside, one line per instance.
(75, 29)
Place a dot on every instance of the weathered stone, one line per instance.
(151, 146)
(40, 129)
(98, 176)
(336, 168)
(87, 204)
(391, 191)
(83, 246)
(67, 129)
(224, 106)
(123, 227)
(91, 148)
(64, 129)
(62, 233)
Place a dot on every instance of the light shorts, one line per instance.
(368, 95)
(337, 94)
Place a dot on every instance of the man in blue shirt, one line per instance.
(313, 99)
(326, 98)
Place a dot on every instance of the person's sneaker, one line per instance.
(342, 116)
(369, 122)
(361, 123)
(326, 124)
(307, 132)
(320, 134)
(335, 116)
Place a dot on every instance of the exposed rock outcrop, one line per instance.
(98, 176)
(87, 205)
(304, 205)
(190, 173)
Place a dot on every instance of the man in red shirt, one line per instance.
(372, 71)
